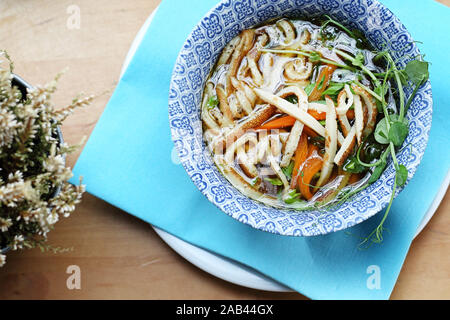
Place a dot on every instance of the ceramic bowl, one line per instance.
(198, 56)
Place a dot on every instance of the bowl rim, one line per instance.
(425, 89)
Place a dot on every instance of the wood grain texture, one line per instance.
(120, 256)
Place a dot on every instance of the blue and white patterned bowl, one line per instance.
(197, 58)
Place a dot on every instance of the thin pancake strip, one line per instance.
(228, 51)
(253, 57)
(247, 37)
(208, 120)
(297, 129)
(346, 148)
(255, 119)
(343, 104)
(371, 108)
(224, 107)
(330, 143)
(359, 119)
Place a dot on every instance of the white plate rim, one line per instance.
(227, 269)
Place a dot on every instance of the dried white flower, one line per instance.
(2, 260)
(5, 224)
(34, 192)
(9, 126)
(17, 242)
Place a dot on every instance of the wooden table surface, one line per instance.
(121, 257)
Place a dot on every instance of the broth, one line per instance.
(283, 112)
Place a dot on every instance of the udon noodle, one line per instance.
(282, 112)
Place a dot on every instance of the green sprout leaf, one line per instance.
(417, 71)
(254, 181)
(291, 197)
(288, 170)
(315, 57)
(398, 132)
(212, 102)
(358, 60)
(309, 88)
(401, 176)
(377, 171)
(274, 181)
(381, 132)
(321, 83)
(333, 89)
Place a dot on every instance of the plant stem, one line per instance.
(363, 67)
(379, 230)
(348, 195)
(375, 95)
(399, 85)
(413, 94)
(374, 164)
(351, 34)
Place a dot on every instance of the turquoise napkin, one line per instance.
(127, 162)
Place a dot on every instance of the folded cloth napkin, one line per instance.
(127, 162)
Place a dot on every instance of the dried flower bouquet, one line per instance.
(34, 191)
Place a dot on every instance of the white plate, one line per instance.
(227, 269)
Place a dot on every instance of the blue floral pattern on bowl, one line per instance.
(196, 60)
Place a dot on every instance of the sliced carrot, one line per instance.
(278, 123)
(313, 151)
(351, 114)
(288, 121)
(311, 167)
(322, 82)
(300, 156)
(318, 115)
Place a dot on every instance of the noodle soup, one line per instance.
(285, 114)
